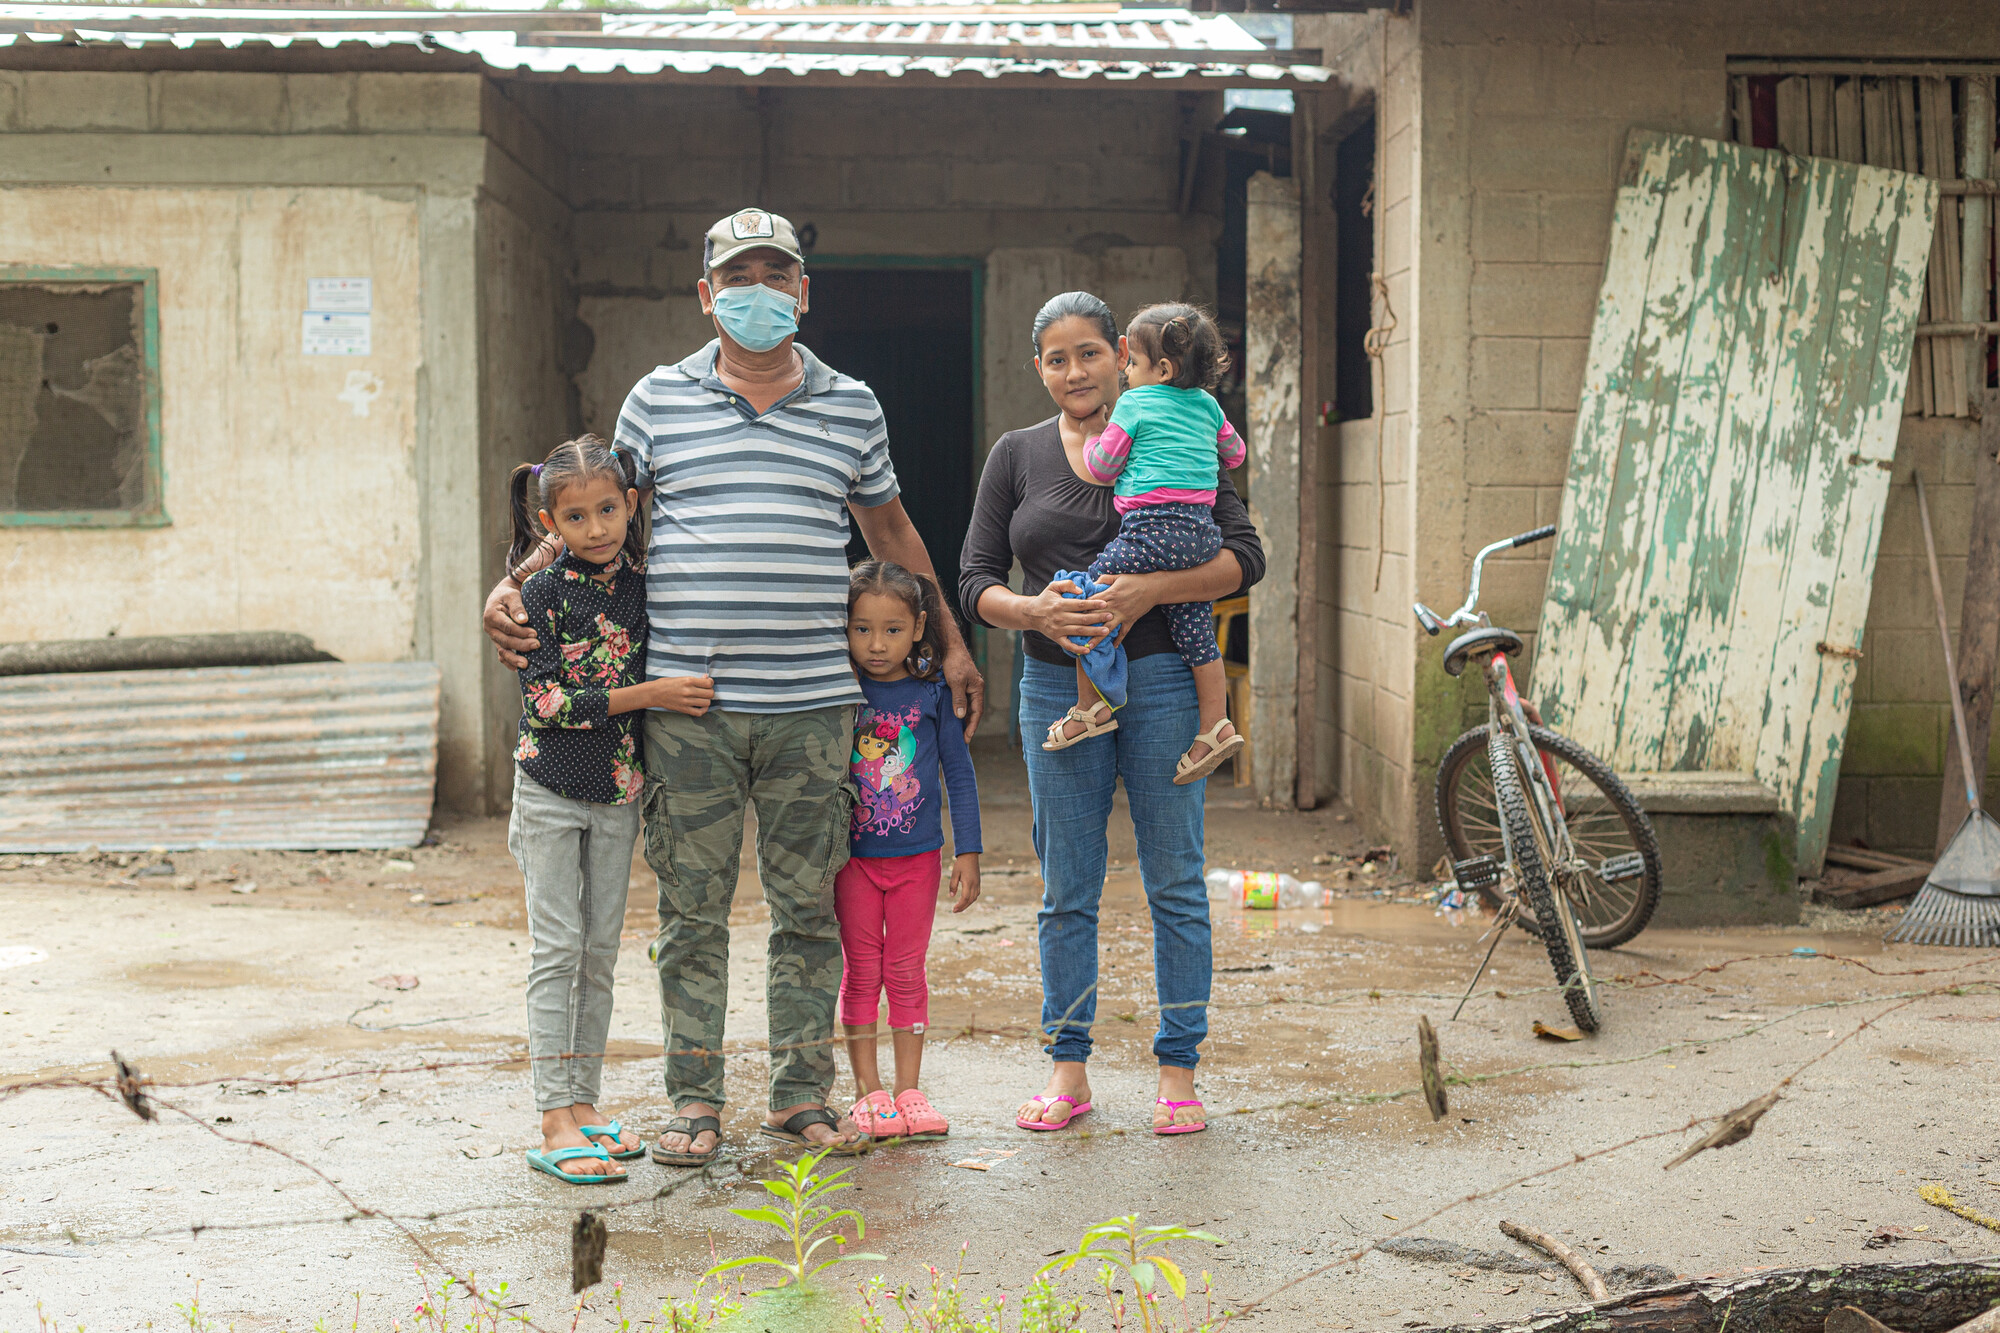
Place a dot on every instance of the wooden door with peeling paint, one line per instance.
(1731, 463)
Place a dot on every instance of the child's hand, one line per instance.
(964, 881)
(682, 694)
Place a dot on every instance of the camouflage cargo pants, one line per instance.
(700, 772)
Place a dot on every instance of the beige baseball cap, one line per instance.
(749, 229)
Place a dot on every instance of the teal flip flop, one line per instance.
(615, 1132)
(551, 1163)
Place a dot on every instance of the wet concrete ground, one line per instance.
(210, 987)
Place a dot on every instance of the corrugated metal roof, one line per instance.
(1076, 42)
(331, 755)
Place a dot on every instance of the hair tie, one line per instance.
(536, 471)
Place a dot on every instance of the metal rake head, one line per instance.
(1940, 916)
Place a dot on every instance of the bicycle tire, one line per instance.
(1566, 958)
(1454, 800)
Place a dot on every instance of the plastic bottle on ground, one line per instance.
(1263, 890)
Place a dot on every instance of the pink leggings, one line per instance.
(886, 905)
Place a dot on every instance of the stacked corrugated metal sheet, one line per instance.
(320, 755)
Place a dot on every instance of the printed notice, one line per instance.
(333, 295)
(334, 333)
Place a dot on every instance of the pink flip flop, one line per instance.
(1077, 1109)
(1170, 1127)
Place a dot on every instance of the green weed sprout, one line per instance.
(1123, 1245)
(801, 1219)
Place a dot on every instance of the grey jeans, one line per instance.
(576, 857)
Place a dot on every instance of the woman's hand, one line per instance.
(505, 622)
(1127, 597)
(1062, 618)
(681, 694)
(964, 881)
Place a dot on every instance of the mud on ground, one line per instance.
(203, 983)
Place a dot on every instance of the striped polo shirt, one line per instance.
(746, 577)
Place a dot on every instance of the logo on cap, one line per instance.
(751, 224)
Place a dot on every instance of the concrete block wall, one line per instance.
(1366, 654)
(230, 102)
(1522, 120)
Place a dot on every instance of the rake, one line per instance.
(1959, 904)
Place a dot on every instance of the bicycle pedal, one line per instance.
(1614, 868)
(1480, 872)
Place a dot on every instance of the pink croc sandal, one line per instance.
(920, 1119)
(1077, 1111)
(876, 1116)
(1172, 1128)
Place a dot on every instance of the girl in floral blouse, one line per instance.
(577, 781)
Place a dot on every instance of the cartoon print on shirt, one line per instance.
(884, 749)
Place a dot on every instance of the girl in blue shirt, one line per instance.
(886, 895)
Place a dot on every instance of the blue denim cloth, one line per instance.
(1072, 792)
(1105, 662)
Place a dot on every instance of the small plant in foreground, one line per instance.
(1139, 1252)
(1040, 1309)
(801, 1220)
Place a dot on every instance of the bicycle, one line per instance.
(1543, 830)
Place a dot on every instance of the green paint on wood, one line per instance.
(1752, 341)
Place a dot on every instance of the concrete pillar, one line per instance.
(1273, 348)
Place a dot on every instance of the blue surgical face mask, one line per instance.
(757, 318)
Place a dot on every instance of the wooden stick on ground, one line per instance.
(1593, 1285)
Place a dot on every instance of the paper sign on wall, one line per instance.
(335, 334)
(338, 317)
(348, 294)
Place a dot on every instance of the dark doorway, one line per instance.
(908, 333)
(1354, 296)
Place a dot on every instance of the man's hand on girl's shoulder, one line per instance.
(505, 621)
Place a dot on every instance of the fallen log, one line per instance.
(1935, 1296)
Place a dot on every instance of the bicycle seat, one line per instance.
(1492, 639)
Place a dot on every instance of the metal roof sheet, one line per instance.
(320, 755)
(1076, 42)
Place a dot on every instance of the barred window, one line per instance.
(1922, 119)
(79, 399)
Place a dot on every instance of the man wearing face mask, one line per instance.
(757, 455)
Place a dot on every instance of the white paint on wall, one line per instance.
(287, 511)
(363, 387)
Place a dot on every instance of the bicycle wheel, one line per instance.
(1565, 946)
(1613, 882)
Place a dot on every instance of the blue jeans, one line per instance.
(1072, 792)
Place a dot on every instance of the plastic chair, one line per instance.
(1236, 671)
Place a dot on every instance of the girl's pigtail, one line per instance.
(524, 526)
(926, 658)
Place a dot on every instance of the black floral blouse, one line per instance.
(591, 620)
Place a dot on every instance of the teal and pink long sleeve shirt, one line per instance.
(1163, 446)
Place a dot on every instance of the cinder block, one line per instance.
(1903, 814)
(83, 100)
(1511, 81)
(1015, 184)
(418, 103)
(1398, 236)
(1506, 226)
(1355, 715)
(1506, 373)
(10, 100)
(1563, 362)
(1537, 153)
(1533, 446)
(1398, 165)
(1850, 811)
(1493, 512)
(1534, 300)
(1705, 101)
(1894, 740)
(798, 188)
(890, 183)
(1136, 181)
(1903, 666)
(203, 100)
(319, 103)
(1576, 226)
(1640, 83)
(1901, 597)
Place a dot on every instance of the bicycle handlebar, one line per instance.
(1466, 615)
(1540, 534)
